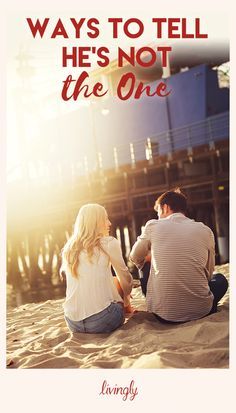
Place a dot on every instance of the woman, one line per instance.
(93, 304)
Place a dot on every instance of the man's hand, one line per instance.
(148, 258)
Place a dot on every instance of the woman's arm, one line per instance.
(121, 270)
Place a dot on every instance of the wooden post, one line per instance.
(131, 217)
(219, 219)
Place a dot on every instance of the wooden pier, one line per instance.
(41, 217)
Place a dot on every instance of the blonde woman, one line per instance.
(93, 304)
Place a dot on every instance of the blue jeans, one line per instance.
(218, 286)
(103, 322)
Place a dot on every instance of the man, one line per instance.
(181, 285)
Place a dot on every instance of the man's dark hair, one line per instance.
(175, 199)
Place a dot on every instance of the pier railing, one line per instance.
(205, 132)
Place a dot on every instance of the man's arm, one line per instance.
(141, 248)
(211, 256)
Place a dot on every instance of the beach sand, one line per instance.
(37, 337)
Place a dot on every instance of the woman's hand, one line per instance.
(126, 298)
(127, 305)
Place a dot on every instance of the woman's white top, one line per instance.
(94, 289)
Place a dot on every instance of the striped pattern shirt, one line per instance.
(182, 263)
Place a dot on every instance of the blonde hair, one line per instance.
(88, 230)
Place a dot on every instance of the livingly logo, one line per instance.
(130, 391)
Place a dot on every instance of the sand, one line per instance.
(37, 337)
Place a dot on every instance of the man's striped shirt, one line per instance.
(182, 263)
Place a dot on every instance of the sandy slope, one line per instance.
(37, 337)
